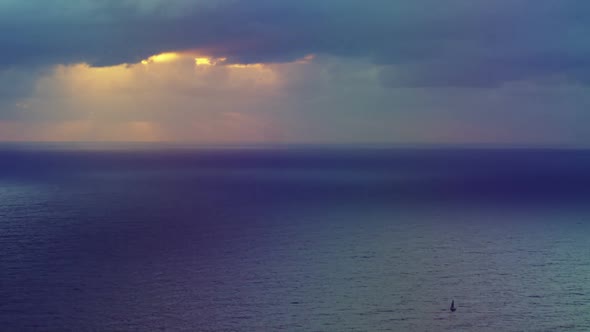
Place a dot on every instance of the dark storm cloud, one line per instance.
(420, 43)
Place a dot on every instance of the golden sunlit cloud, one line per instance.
(162, 57)
(157, 99)
(203, 61)
(206, 61)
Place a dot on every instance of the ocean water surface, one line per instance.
(293, 239)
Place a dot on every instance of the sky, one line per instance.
(508, 72)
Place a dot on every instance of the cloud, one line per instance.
(165, 97)
(460, 43)
(327, 100)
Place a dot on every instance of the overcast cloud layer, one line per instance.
(497, 69)
(455, 42)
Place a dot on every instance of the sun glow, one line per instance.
(203, 62)
(208, 61)
(130, 102)
(163, 57)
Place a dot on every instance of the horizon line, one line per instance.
(238, 145)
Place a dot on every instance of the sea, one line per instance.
(141, 237)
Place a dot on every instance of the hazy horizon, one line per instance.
(368, 145)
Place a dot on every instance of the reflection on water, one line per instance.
(294, 240)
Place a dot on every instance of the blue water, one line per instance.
(295, 239)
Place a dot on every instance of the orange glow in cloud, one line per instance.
(203, 62)
(163, 57)
(157, 99)
(206, 61)
(81, 80)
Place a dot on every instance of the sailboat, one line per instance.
(453, 306)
